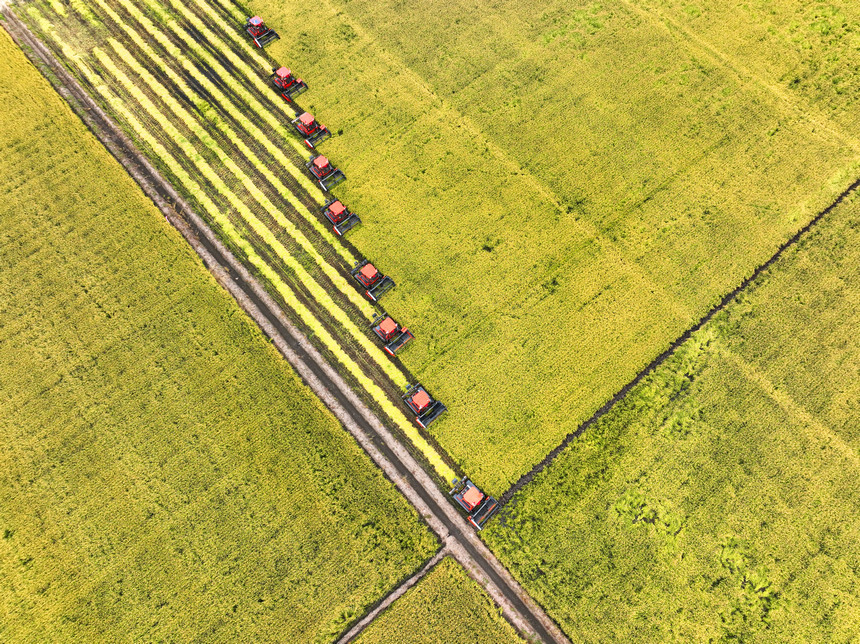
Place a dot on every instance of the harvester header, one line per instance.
(259, 32)
(479, 506)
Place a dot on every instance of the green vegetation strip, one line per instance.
(227, 228)
(237, 87)
(164, 475)
(445, 606)
(719, 501)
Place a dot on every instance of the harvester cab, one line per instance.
(287, 84)
(479, 506)
(341, 218)
(422, 404)
(324, 172)
(261, 34)
(375, 283)
(393, 336)
(312, 131)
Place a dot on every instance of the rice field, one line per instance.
(561, 190)
(196, 100)
(445, 606)
(164, 474)
(719, 500)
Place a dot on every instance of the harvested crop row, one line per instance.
(162, 467)
(233, 235)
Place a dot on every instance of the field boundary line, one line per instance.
(660, 359)
(391, 597)
(821, 432)
(392, 457)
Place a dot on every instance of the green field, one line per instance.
(560, 191)
(444, 607)
(164, 475)
(719, 501)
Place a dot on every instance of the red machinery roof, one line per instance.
(472, 497)
(368, 271)
(388, 326)
(321, 162)
(283, 72)
(256, 21)
(337, 208)
(307, 118)
(421, 400)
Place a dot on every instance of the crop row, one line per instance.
(148, 108)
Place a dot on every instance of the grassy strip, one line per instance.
(165, 476)
(193, 124)
(307, 318)
(249, 126)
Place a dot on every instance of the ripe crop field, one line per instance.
(719, 501)
(164, 475)
(445, 606)
(197, 101)
(560, 191)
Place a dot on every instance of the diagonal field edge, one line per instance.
(660, 359)
(361, 623)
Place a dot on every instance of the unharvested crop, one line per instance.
(445, 606)
(563, 187)
(164, 475)
(720, 500)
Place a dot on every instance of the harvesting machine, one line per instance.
(479, 506)
(287, 84)
(310, 129)
(342, 218)
(259, 32)
(324, 172)
(393, 336)
(375, 283)
(422, 404)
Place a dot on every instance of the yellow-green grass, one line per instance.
(126, 113)
(164, 475)
(444, 607)
(562, 194)
(720, 500)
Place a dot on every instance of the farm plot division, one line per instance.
(719, 500)
(195, 97)
(445, 606)
(565, 190)
(164, 475)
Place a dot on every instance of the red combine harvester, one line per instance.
(478, 505)
(324, 172)
(261, 34)
(421, 403)
(375, 283)
(312, 131)
(392, 334)
(287, 84)
(341, 218)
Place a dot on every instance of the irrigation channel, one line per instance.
(194, 96)
(387, 451)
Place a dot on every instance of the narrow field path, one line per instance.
(378, 442)
(727, 299)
